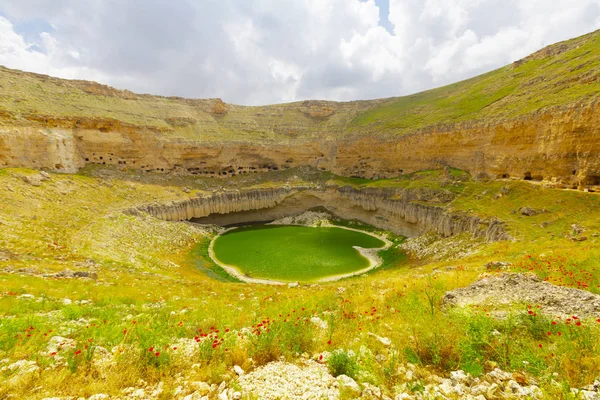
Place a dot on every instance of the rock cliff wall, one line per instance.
(559, 145)
(406, 212)
(536, 119)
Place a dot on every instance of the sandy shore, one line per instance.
(371, 254)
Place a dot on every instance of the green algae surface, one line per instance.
(294, 253)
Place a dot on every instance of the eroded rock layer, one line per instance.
(559, 145)
(535, 119)
(406, 212)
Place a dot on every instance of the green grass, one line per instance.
(293, 253)
(550, 78)
(200, 258)
(149, 293)
(511, 91)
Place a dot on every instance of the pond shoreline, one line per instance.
(371, 254)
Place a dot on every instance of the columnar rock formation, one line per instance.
(393, 209)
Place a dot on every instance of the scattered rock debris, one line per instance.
(278, 380)
(515, 288)
(530, 212)
(497, 265)
(65, 274)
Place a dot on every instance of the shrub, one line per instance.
(343, 362)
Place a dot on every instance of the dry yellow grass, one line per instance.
(149, 295)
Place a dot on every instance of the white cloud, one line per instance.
(48, 56)
(492, 51)
(14, 51)
(266, 51)
(447, 56)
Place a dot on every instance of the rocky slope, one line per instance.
(405, 211)
(538, 119)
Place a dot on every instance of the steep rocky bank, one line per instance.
(403, 211)
(557, 145)
(536, 119)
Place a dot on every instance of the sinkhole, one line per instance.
(293, 253)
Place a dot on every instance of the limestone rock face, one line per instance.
(559, 145)
(54, 150)
(393, 209)
(537, 119)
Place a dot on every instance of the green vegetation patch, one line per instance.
(294, 253)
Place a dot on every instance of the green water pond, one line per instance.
(293, 253)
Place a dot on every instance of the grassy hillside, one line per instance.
(560, 74)
(150, 294)
(93, 300)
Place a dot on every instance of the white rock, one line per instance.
(458, 377)
(67, 302)
(139, 393)
(200, 387)
(446, 388)
(56, 343)
(178, 390)
(195, 396)
(478, 390)
(319, 322)
(513, 386)
(98, 396)
(238, 370)
(383, 340)
(159, 389)
(293, 285)
(498, 375)
(349, 384)
(128, 390)
(493, 391)
(371, 391)
(276, 380)
(588, 395)
(223, 395)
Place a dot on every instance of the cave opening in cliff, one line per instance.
(593, 180)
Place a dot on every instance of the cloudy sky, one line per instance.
(271, 51)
